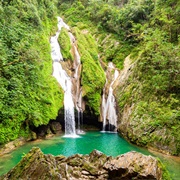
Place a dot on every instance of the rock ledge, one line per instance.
(35, 165)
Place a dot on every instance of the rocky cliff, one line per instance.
(143, 118)
(96, 165)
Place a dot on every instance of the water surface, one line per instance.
(108, 143)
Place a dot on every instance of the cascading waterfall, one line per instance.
(64, 80)
(73, 91)
(80, 107)
(109, 104)
(79, 103)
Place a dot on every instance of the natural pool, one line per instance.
(108, 143)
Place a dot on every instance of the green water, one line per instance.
(108, 143)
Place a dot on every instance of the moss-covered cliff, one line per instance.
(30, 96)
(149, 99)
(92, 75)
(146, 118)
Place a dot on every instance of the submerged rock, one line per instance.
(35, 165)
(12, 146)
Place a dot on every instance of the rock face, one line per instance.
(35, 165)
(53, 127)
(140, 116)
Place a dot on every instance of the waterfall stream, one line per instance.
(73, 91)
(108, 102)
(67, 82)
(79, 103)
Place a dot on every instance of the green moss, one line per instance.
(90, 168)
(65, 44)
(93, 77)
(165, 175)
(30, 96)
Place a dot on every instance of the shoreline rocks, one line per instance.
(96, 165)
(45, 131)
(7, 148)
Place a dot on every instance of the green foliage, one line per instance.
(93, 77)
(30, 96)
(113, 27)
(79, 14)
(65, 44)
(152, 89)
(167, 16)
(165, 175)
(160, 63)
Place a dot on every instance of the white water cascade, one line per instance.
(64, 80)
(108, 101)
(78, 100)
(80, 107)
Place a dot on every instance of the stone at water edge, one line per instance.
(133, 164)
(12, 146)
(35, 165)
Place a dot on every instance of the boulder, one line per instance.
(35, 165)
(43, 131)
(55, 127)
(133, 165)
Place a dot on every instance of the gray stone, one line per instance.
(132, 165)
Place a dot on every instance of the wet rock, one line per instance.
(55, 127)
(43, 131)
(132, 165)
(12, 145)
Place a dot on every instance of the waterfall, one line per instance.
(109, 104)
(80, 107)
(64, 80)
(79, 103)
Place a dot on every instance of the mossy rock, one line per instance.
(93, 76)
(65, 44)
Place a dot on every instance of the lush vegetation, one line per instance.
(65, 44)
(29, 96)
(149, 31)
(93, 76)
(155, 83)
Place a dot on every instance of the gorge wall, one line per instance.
(138, 120)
